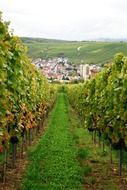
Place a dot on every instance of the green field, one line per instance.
(90, 52)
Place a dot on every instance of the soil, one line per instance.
(14, 175)
(104, 176)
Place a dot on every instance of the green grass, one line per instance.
(82, 153)
(97, 169)
(90, 52)
(53, 162)
(95, 163)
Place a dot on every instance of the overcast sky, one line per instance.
(67, 19)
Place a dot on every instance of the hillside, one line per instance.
(77, 52)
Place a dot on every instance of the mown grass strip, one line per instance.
(53, 164)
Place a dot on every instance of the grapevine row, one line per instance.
(25, 95)
(101, 102)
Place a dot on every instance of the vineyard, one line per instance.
(102, 105)
(80, 118)
(90, 52)
(25, 97)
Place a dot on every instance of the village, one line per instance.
(59, 70)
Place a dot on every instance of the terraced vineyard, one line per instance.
(77, 52)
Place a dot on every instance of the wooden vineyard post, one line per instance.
(111, 153)
(103, 145)
(36, 132)
(14, 146)
(38, 127)
(120, 161)
(42, 122)
(33, 133)
(22, 144)
(26, 139)
(92, 136)
(99, 139)
(5, 165)
(95, 137)
(29, 136)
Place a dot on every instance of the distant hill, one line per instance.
(41, 40)
(91, 52)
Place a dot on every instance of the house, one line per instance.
(93, 72)
(85, 71)
(88, 71)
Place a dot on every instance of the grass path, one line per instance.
(53, 163)
(99, 172)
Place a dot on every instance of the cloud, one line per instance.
(67, 19)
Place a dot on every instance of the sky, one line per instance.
(67, 19)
